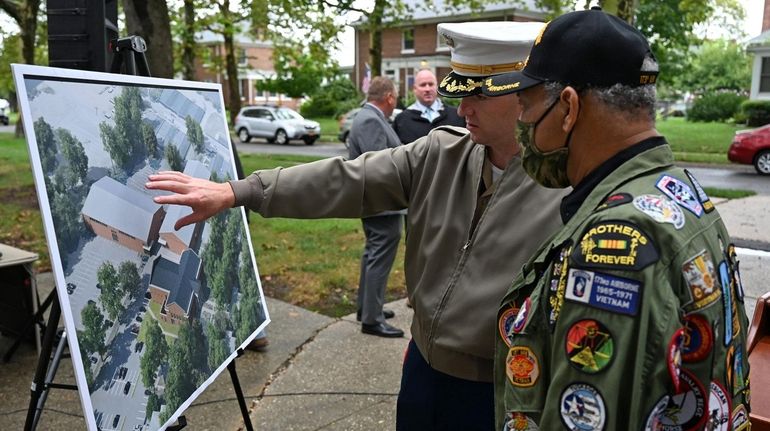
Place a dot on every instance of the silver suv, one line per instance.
(279, 125)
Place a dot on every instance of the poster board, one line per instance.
(153, 315)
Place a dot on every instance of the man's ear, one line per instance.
(570, 102)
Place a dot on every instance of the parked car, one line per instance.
(346, 120)
(5, 111)
(115, 421)
(138, 318)
(279, 125)
(71, 288)
(752, 147)
(139, 346)
(126, 388)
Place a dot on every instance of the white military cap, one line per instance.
(483, 49)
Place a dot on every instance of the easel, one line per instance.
(128, 54)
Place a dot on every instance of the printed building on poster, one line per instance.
(119, 213)
(188, 237)
(175, 286)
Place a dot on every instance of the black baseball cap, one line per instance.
(583, 48)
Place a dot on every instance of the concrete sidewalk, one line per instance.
(320, 373)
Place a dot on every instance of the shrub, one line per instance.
(756, 112)
(715, 107)
(332, 99)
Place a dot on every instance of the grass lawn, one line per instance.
(170, 331)
(728, 193)
(329, 128)
(698, 142)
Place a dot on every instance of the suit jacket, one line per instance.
(370, 131)
(411, 126)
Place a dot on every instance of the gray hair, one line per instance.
(379, 89)
(627, 100)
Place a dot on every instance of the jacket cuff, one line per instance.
(248, 192)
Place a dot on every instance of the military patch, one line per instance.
(505, 324)
(589, 346)
(614, 245)
(719, 408)
(615, 200)
(674, 359)
(724, 277)
(522, 316)
(732, 258)
(681, 193)
(740, 418)
(517, 421)
(604, 291)
(582, 408)
(738, 381)
(698, 338)
(708, 206)
(700, 277)
(660, 209)
(681, 412)
(522, 366)
(556, 298)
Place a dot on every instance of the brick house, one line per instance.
(119, 213)
(175, 286)
(760, 47)
(188, 237)
(414, 44)
(255, 62)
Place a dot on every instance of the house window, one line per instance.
(114, 236)
(764, 76)
(242, 59)
(407, 41)
(390, 73)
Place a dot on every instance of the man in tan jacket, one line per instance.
(474, 218)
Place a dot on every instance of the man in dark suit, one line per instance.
(427, 112)
(371, 131)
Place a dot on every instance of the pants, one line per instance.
(383, 234)
(430, 400)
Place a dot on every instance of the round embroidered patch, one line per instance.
(719, 408)
(661, 209)
(698, 338)
(589, 346)
(681, 412)
(505, 324)
(522, 366)
(517, 421)
(521, 318)
(674, 359)
(582, 408)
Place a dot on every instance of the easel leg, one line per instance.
(239, 394)
(38, 383)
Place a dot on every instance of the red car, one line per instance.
(752, 147)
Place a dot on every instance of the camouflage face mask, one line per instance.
(547, 169)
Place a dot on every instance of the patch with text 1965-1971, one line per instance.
(604, 291)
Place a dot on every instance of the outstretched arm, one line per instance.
(206, 198)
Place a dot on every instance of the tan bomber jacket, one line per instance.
(455, 278)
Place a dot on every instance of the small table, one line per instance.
(12, 259)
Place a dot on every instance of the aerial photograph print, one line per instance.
(152, 314)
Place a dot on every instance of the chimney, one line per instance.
(766, 17)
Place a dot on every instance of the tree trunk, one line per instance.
(149, 19)
(188, 41)
(231, 67)
(623, 9)
(26, 17)
(375, 37)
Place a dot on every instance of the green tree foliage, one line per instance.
(218, 349)
(150, 140)
(129, 279)
(74, 153)
(93, 333)
(111, 294)
(719, 106)
(155, 353)
(180, 382)
(211, 256)
(231, 249)
(125, 141)
(332, 99)
(86, 363)
(718, 65)
(756, 112)
(174, 158)
(46, 145)
(153, 405)
(194, 134)
(249, 314)
(66, 221)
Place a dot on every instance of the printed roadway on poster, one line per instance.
(152, 314)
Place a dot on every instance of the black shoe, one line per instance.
(382, 330)
(389, 314)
